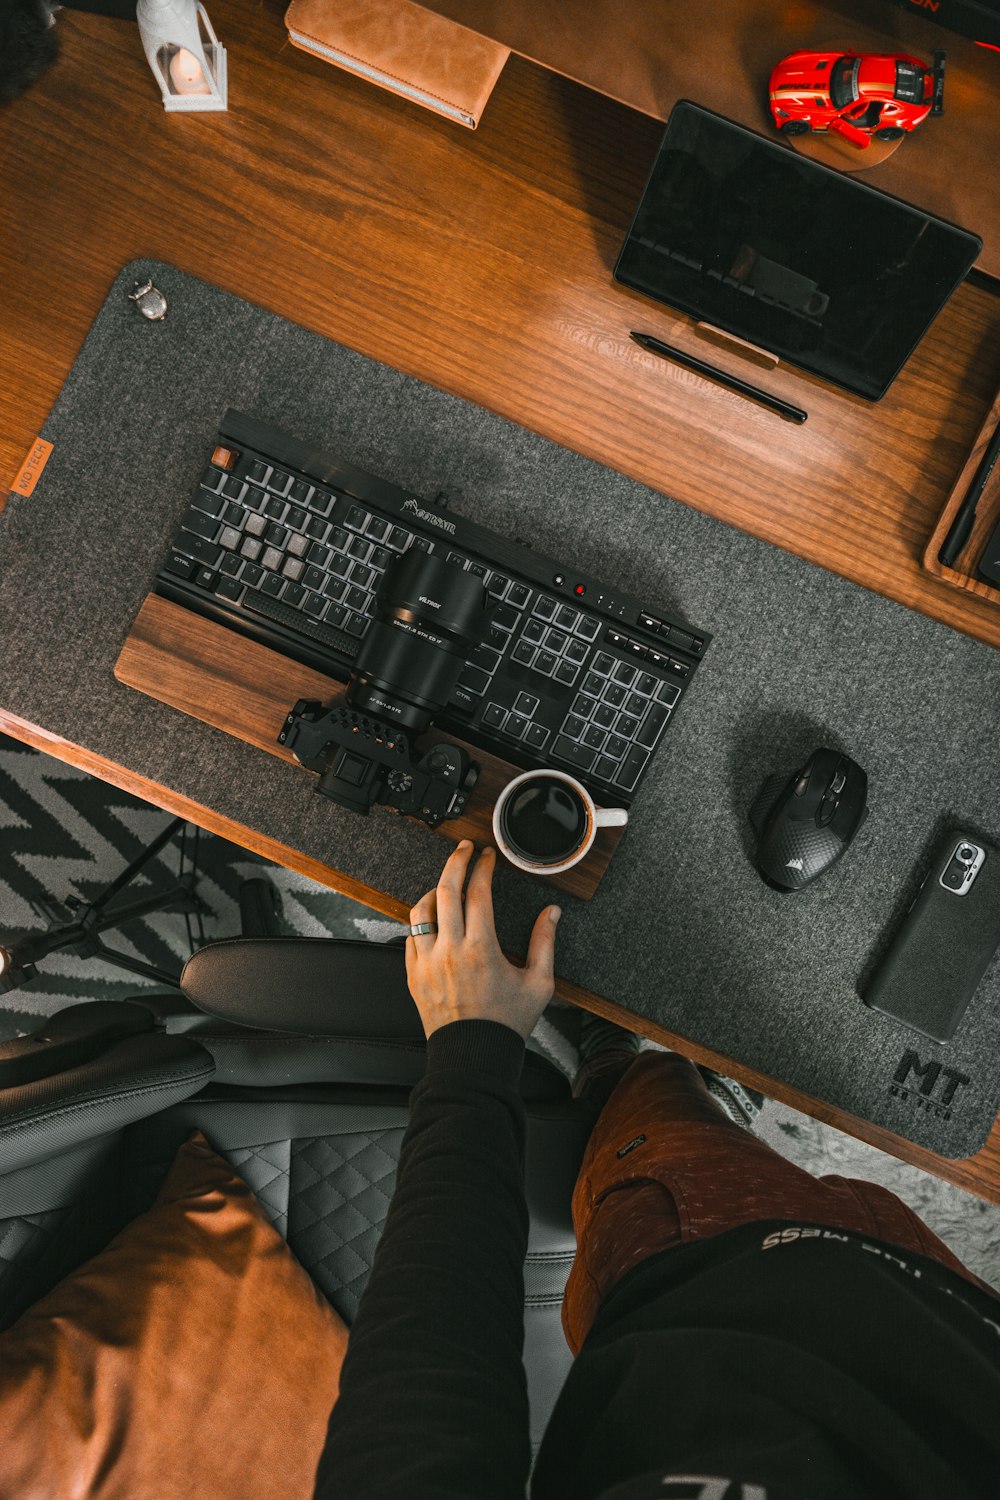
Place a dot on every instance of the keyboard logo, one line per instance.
(429, 516)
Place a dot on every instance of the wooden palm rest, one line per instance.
(961, 574)
(245, 689)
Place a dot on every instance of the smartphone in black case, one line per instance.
(945, 942)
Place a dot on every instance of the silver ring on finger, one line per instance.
(422, 929)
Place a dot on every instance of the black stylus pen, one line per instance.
(958, 533)
(731, 382)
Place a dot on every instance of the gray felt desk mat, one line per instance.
(682, 929)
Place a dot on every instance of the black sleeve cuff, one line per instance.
(477, 1047)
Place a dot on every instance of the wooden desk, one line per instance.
(479, 262)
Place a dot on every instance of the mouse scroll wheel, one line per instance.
(837, 784)
(801, 784)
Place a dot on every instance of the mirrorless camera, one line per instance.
(430, 615)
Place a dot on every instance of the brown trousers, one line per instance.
(665, 1165)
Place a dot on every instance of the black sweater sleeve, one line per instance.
(433, 1401)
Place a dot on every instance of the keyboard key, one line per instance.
(356, 599)
(525, 704)
(357, 518)
(339, 564)
(317, 530)
(475, 680)
(206, 578)
(576, 652)
(313, 604)
(275, 509)
(577, 756)
(336, 615)
(321, 503)
(675, 637)
(380, 558)
(615, 694)
(293, 594)
(252, 574)
(638, 649)
(339, 538)
(653, 725)
(646, 683)
(615, 746)
(494, 715)
(486, 658)
(635, 704)
(360, 549)
(229, 538)
(545, 663)
(233, 490)
(594, 737)
(421, 543)
(313, 577)
(566, 673)
(615, 637)
(398, 538)
(212, 505)
(272, 559)
(603, 663)
(583, 705)
(298, 545)
(626, 725)
(567, 618)
(300, 491)
(457, 558)
(518, 594)
(515, 726)
(593, 684)
(534, 631)
(505, 617)
(377, 528)
(657, 658)
(573, 726)
(535, 736)
(497, 585)
(201, 524)
(293, 569)
(545, 607)
(625, 673)
(199, 548)
(678, 668)
(356, 624)
(605, 768)
(256, 526)
(335, 589)
(179, 565)
(296, 519)
(231, 564)
(668, 694)
(279, 481)
(229, 588)
(604, 716)
(479, 569)
(272, 584)
(276, 535)
(632, 768)
(554, 641)
(254, 499)
(234, 515)
(588, 629)
(523, 653)
(362, 576)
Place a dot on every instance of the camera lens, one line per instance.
(430, 616)
(966, 853)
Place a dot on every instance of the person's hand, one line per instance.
(459, 973)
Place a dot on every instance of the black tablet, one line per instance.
(813, 265)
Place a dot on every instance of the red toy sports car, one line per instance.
(857, 96)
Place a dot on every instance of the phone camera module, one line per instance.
(966, 854)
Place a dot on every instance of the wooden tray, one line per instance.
(243, 688)
(987, 515)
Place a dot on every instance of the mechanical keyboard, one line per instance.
(287, 544)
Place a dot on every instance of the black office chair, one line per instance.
(295, 1057)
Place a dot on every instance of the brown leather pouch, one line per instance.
(400, 46)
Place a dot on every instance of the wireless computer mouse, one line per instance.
(804, 824)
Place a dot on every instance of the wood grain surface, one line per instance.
(244, 689)
(960, 574)
(481, 263)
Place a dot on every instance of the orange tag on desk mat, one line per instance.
(30, 471)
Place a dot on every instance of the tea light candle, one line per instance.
(186, 75)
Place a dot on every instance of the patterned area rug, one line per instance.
(64, 834)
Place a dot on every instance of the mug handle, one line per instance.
(610, 817)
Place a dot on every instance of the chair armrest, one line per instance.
(310, 986)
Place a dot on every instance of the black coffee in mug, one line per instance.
(545, 820)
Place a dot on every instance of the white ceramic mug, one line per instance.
(596, 817)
